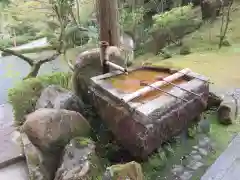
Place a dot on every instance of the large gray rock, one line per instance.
(79, 161)
(52, 129)
(41, 166)
(59, 98)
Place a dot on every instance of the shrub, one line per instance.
(184, 50)
(173, 17)
(25, 94)
(165, 54)
(169, 27)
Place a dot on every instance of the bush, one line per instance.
(24, 95)
(173, 17)
(165, 54)
(171, 26)
(184, 50)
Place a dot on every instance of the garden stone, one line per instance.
(203, 143)
(59, 98)
(227, 111)
(186, 175)
(197, 157)
(79, 161)
(177, 169)
(202, 151)
(41, 166)
(52, 129)
(131, 170)
(194, 165)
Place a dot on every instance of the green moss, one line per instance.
(24, 95)
(83, 141)
(33, 159)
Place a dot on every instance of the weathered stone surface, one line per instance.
(131, 170)
(52, 129)
(41, 166)
(141, 127)
(59, 98)
(79, 161)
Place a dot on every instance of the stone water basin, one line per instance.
(142, 124)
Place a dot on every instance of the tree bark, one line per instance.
(109, 25)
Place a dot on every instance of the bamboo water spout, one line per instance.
(157, 84)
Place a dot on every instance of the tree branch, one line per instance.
(51, 58)
(14, 53)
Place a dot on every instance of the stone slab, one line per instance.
(16, 171)
(10, 150)
(227, 166)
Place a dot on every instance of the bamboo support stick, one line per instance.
(146, 84)
(156, 84)
(198, 78)
(160, 78)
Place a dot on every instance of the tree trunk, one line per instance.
(34, 71)
(109, 26)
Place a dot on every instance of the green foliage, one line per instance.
(25, 94)
(57, 78)
(154, 165)
(184, 50)
(173, 17)
(165, 54)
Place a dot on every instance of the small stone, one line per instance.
(203, 151)
(197, 157)
(194, 165)
(186, 175)
(177, 169)
(195, 147)
(203, 143)
(193, 152)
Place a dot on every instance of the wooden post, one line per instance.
(109, 25)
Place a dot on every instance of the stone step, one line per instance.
(227, 166)
(10, 150)
(16, 171)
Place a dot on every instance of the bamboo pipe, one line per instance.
(156, 84)
(115, 66)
